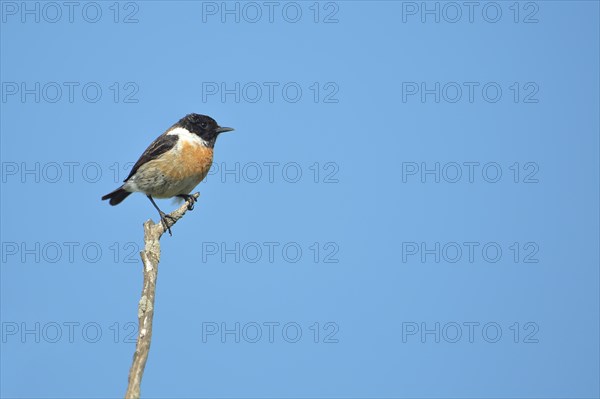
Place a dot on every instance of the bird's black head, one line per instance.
(203, 126)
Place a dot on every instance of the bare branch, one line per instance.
(150, 258)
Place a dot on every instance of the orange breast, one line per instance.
(190, 161)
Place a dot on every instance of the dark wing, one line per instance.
(158, 147)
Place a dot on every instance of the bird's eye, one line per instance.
(204, 125)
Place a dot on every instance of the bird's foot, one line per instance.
(163, 220)
(188, 197)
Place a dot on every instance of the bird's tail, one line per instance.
(116, 196)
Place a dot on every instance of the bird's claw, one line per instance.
(188, 197)
(163, 220)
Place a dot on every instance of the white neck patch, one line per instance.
(187, 136)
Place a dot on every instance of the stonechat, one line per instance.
(176, 162)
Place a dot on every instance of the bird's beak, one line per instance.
(224, 129)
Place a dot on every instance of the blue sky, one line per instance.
(408, 206)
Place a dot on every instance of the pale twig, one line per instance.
(150, 258)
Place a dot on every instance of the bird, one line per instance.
(173, 164)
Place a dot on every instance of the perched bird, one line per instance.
(174, 163)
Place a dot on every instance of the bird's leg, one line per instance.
(163, 216)
(188, 197)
